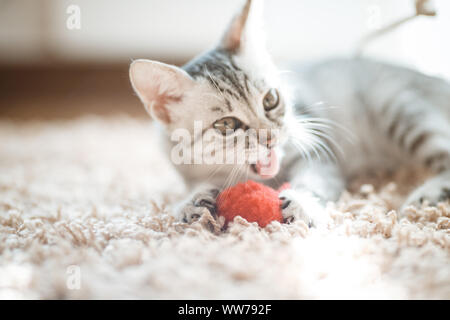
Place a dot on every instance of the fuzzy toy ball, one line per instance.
(252, 201)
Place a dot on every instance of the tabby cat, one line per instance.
(373, 116)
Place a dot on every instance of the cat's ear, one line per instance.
(159, 86)
(245, 29)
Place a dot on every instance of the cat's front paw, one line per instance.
(201, 203)
(302, 205)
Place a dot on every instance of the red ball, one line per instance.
(252, 201)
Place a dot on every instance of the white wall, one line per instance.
(31, 30)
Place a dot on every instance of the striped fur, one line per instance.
(398, 116)
(345, 117)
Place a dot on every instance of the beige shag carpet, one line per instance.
(93, 193)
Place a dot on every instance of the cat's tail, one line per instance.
(423, 8)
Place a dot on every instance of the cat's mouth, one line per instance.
(268, 167)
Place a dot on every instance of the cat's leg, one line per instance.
(434, 190)
(312, 186)
(435, 154)
(199, 202)
(423, 133)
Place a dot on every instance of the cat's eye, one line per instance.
(271, 100)
(227, 124)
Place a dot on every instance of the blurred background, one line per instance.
(62, 59)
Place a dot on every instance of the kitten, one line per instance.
(376, 116)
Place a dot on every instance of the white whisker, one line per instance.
(329, 138)
(304, 153)
(214, 82)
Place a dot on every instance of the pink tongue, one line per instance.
(268, 168)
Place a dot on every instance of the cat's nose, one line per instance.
(271, 141)
(267, 139)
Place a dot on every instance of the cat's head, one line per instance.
(235, 86)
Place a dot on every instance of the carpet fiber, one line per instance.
(84, 214)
